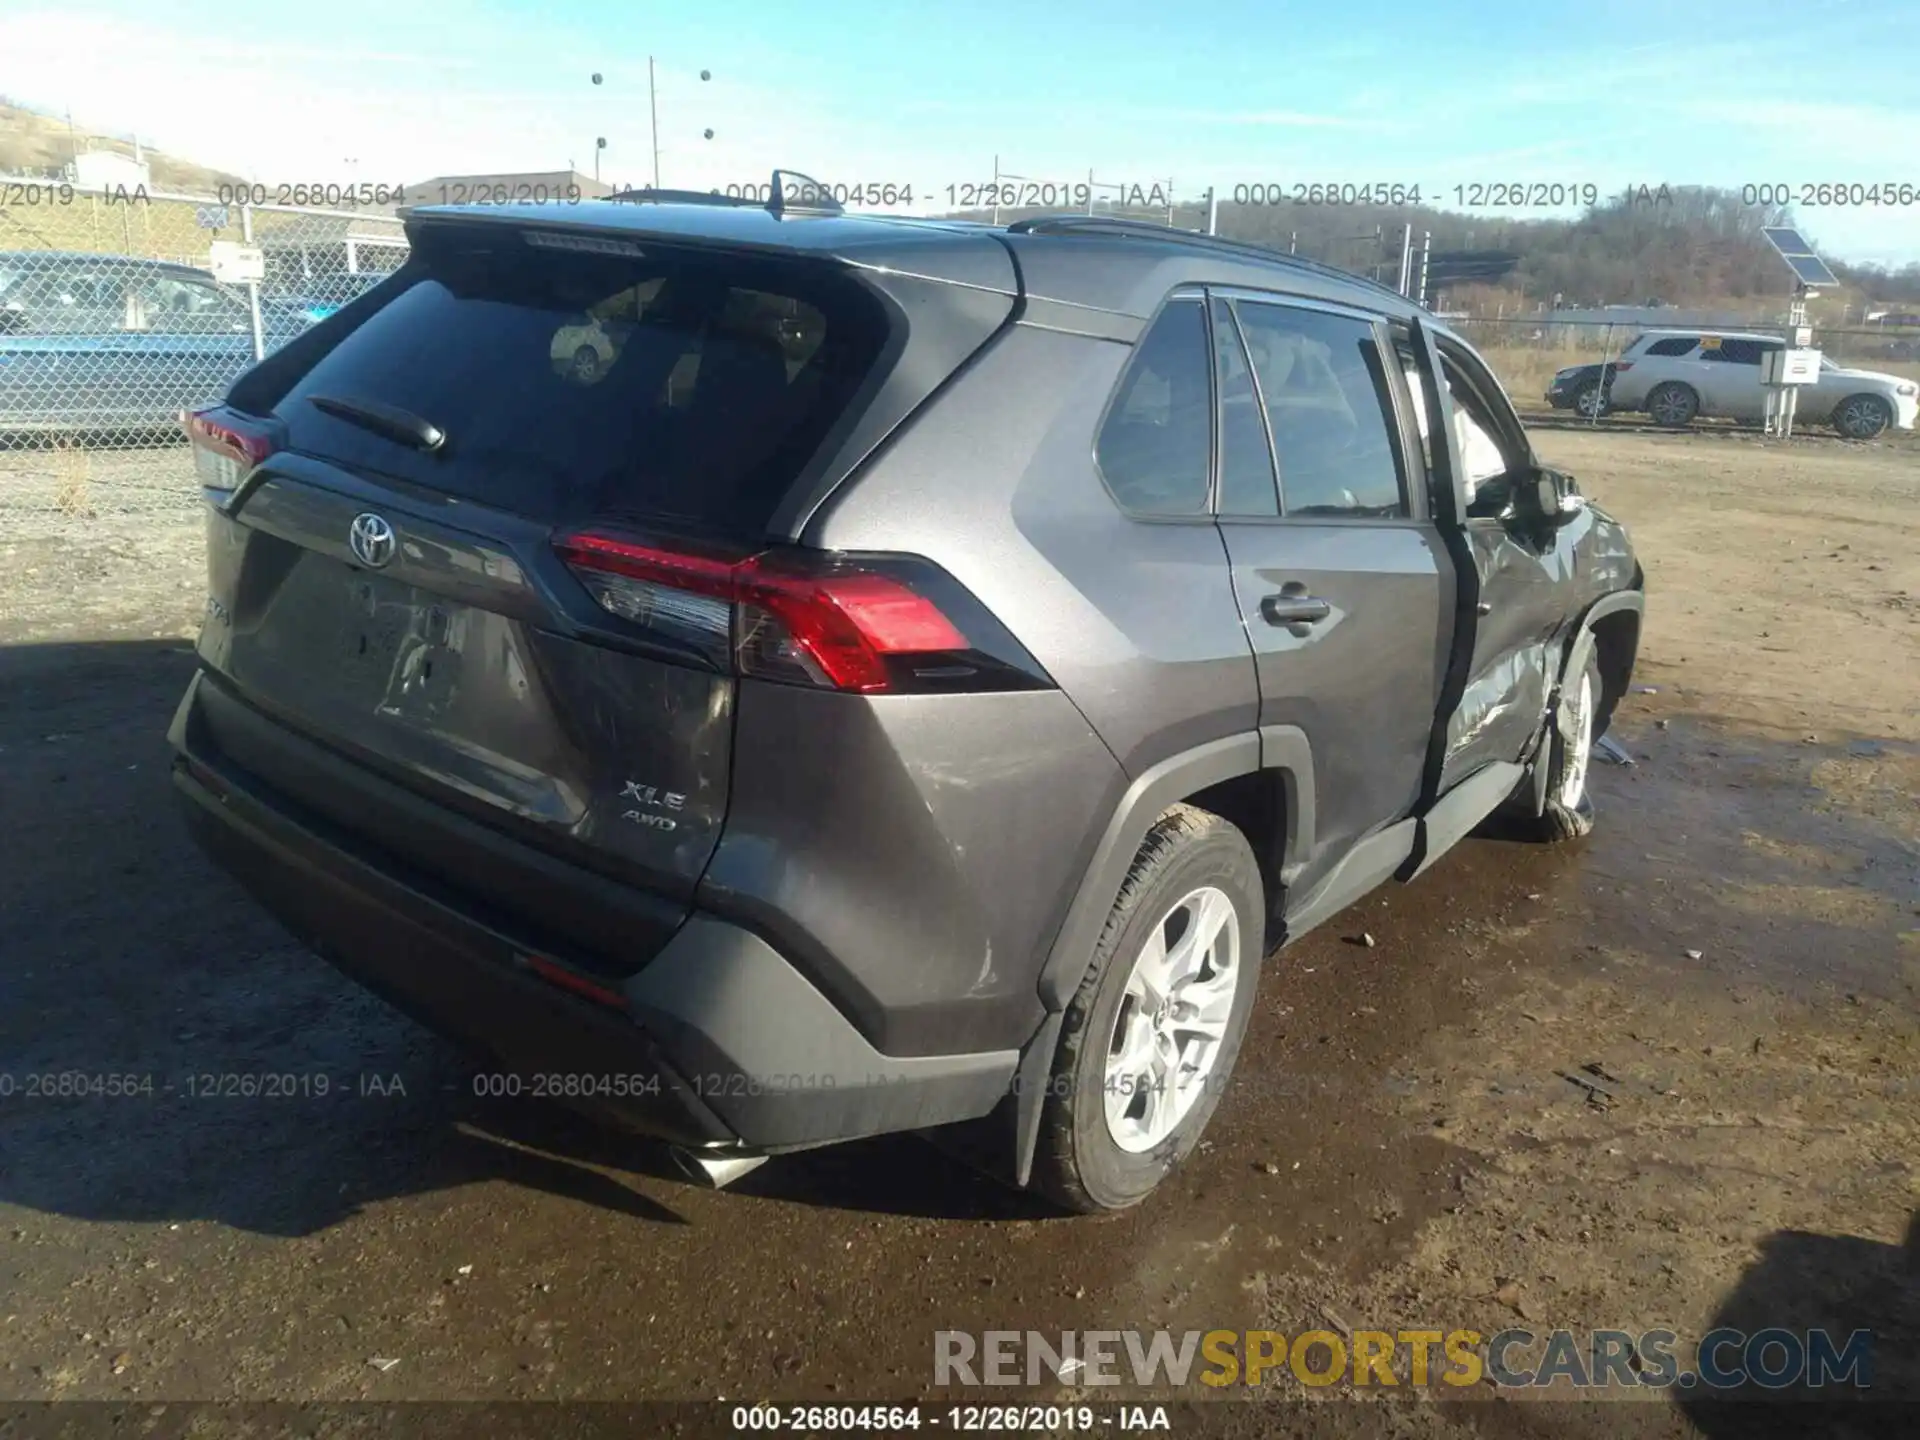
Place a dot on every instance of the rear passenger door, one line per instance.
(1730, 379)
(1345, 588)
(1666, 357)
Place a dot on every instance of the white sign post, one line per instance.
(249, 262)
(1782, 372)
(234, 263)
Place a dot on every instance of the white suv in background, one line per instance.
(1675, 375)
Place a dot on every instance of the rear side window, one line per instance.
(674, 387)
(1324, 387)
(1156, 444)
(1673, 345)
(1737, 352)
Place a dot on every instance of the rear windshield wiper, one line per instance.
(403, 427)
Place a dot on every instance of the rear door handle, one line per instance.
(1294, 608)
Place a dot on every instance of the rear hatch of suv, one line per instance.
(491, 546)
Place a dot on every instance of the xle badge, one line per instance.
(647, 801)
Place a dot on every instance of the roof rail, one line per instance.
(1146, 229)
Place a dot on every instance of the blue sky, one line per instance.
(1616, 93)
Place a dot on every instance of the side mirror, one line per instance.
(1549, 497)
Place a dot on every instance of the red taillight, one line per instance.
(1620, 367)
(225, 449)
(801, 617)
(566, 979)
(840, 627)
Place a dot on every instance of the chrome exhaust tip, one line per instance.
(715, 1171)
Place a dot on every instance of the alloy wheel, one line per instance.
(1577, 732)
(1172, 1019)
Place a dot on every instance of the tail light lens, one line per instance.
(225, 449)
(566, 979)
(1620, 367)
(867, 624)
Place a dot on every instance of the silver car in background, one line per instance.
(1676, 376)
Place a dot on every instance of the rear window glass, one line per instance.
(1156, 446)
(670, 386)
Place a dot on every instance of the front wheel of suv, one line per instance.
(1862, 417)
(1152, 1034)
(1568, 810)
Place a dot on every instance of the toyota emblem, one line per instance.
(371, 539)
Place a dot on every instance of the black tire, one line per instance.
(1586, 399)
(1078, 1163)
(1673, 405)
(1562, 817)
(1862, 417)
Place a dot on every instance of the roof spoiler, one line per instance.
(790, 193)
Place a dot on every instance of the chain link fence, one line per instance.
(112, 324)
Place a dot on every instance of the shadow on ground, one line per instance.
(1841, 1285)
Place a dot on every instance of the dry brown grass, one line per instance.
(1526, 370)
(73, 480)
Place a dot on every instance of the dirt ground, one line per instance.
(1736, 950)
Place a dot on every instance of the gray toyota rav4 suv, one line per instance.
(909, 683)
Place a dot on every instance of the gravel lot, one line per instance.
(1737, 948)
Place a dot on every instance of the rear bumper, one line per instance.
(719, 1042)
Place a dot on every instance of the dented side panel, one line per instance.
(1533, 592)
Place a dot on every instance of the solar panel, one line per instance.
(1807, 267)
(1812, 270)
(1787, 240)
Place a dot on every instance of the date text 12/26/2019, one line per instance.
(1467, 195)
(961, 1419)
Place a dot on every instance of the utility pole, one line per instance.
(653, 116)
(1213, 211)
(653, 121)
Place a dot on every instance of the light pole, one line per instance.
(653, 111)
(653, 121)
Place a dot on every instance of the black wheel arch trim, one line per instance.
(1573, 661)
(1583, 642)
(1281, 748)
